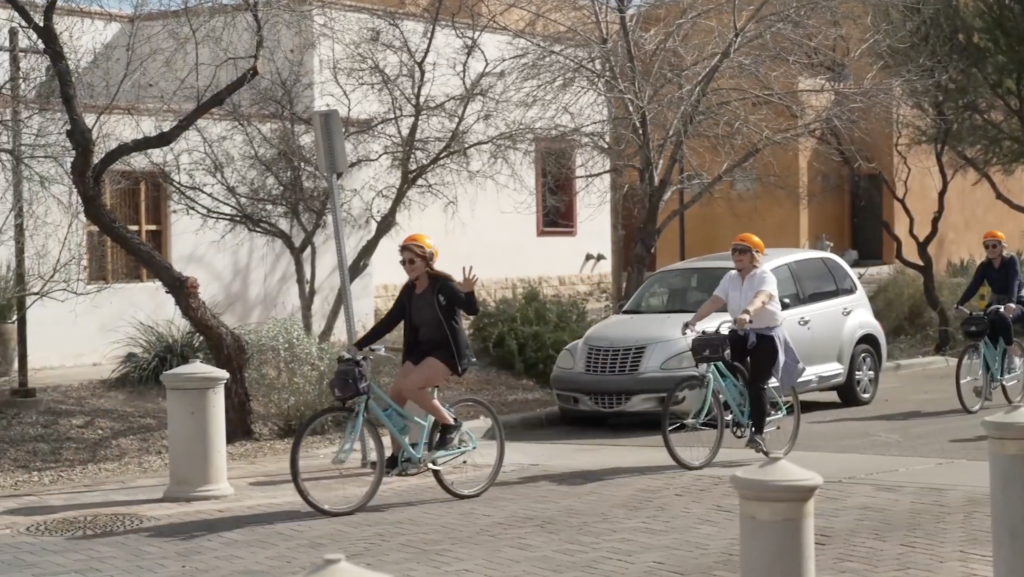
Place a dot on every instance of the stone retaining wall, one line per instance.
(594, 288)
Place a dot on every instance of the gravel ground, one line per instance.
(93, 431)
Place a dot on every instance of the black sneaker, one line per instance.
(390, 464)
(447, 435)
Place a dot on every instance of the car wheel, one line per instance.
(569, 417)
(862, 377)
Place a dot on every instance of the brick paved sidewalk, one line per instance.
(652, 521)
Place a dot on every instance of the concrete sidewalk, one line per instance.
(567, 510)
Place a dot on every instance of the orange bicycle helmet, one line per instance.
(751, 241)
(994, 235)
(423, 241)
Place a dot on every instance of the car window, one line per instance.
(846, 284)
(787, 285)
(816, 280)
(675, 291)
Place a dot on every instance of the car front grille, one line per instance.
(609, 402)
(613, 361)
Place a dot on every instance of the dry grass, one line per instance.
(96, 431)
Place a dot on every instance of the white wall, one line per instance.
(482, 212)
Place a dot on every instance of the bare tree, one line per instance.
(428, 114)
(139, 68)
(441, 110)
(692, 92)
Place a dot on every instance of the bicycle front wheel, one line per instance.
(783, 424)
(471, 474)
(971, 378)
(693, 423)
(1013, 381)
(329, 469)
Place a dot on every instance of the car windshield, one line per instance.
(675, 291)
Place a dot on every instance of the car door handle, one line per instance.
(803, 321)
(847, 311)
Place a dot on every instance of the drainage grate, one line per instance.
(85, 525)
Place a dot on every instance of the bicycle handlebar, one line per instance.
(718, 329)
(998, 308)
(380, 350)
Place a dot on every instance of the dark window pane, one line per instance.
(846, 284)
(154, 202)
(787, 285)
(96, 256)
(558, 187)
(816, 280)
(156, 239)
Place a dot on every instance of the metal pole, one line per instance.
(339, 240)
(23, 391)
(339, 245)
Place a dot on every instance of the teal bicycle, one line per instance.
(985, 365)
(695, 410)
(342, 444)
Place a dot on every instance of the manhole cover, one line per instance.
(85, 525)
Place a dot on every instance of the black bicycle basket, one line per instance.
(710, 348)
(349, 381)
(974, 328)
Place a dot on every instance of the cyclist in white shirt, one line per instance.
(751, 295)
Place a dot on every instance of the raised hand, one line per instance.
(469, 279)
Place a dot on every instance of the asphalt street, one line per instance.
(915, 414)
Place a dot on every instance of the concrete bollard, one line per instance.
(196, 434)
(1005, 432)
(336, 566)
(776, 519)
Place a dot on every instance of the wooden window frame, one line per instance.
(146, 177)
(540, 147)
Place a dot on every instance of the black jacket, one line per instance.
(450, 301)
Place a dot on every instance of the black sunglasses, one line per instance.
(991, 245)
(740, 250)
(408, 261)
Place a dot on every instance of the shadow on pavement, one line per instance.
(975, 439)
(904, 416)
(199, 528)
(577, 478)
(72, 507)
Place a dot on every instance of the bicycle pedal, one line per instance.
(434, 467)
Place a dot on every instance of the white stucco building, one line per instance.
(517, 216)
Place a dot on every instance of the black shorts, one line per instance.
(444, 355)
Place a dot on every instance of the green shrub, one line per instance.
(288, 374)
(525, 332)
(152, 347)
(961, 269)
(910, 325)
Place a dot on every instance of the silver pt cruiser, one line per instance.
(626, 363)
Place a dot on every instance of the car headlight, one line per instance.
(680, 361)
(565, 360)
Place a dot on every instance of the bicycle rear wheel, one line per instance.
(783, 425)
(455, 474)
(326, 444)
(972, 380)
(1013, 382)
(690, 416)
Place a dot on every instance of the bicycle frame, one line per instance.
(418, 457)
(719, 378)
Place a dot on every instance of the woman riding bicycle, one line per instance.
(435, 346)
(1001, 272)
(752, 297)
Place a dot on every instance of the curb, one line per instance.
(543, 419)
(918, 364)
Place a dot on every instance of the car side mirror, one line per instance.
(786, 303)
(620, 306)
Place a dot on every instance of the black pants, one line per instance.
(762, 357)
(1000, 326)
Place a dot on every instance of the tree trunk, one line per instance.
(639, 262)
(931, 296)
(306, 291)
(227, 348)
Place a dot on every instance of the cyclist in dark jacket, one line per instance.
(435, 346)
(1001, 272)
